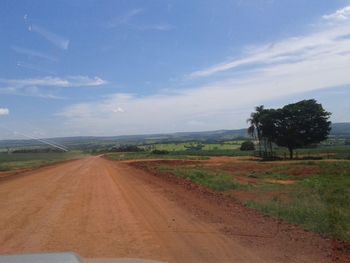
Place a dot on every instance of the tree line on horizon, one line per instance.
(293, 126)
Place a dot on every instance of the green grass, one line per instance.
(213, 180)
(318, 203)
(324, 151)
(231, 148)
(9, 162)
(148, 155)
(219, 152)
(229, 145)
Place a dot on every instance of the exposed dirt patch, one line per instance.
(246, 180)
(283, 182)
(303, 171)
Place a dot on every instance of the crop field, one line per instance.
(312, 194)
(14, 161)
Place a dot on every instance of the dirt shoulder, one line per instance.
(262, 233)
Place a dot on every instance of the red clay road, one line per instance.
(104, 209)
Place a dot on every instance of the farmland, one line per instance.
(14, 161)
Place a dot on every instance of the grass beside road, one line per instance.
(320, 203)
(121, 156)
(15, 161)
(213, 180)
(312, 194)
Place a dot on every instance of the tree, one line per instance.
(262, 128)
(267, 119)
(301, 124)
(254, 129)
(247, 146)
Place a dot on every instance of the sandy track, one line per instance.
(99, 208)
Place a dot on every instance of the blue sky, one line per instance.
(93, 67)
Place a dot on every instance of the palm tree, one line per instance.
(254, 121)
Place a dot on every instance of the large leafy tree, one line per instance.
(294, 126)
(301, 124)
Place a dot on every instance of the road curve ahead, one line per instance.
(104, 209)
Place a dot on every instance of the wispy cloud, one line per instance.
(326, 42)
(129, 15)
(125, 18)
(128, 18)
(53, 38)
(68, 82)
(288, 67)
(4, 111)
(33, 53)
(36, 86)
(32, 67)
(157, 27)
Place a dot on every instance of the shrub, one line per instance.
(247, 146)
(125, 148)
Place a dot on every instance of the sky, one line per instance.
(102, 68)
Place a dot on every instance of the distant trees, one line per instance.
(37, 150)
(125, 148)
(247, 146)
(194, 146)
(294, 126)
(156, 151)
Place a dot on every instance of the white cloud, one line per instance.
(339, 15)
(318, 60)
(4, 111)
(119, 109)
(328, 41)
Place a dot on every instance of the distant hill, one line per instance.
(341, 130)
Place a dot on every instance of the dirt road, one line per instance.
(99, 208)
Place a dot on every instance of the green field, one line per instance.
(171, 147)
(14, 161)
(332, 149)
(148, 155)
(219, 181)
(312, 194)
